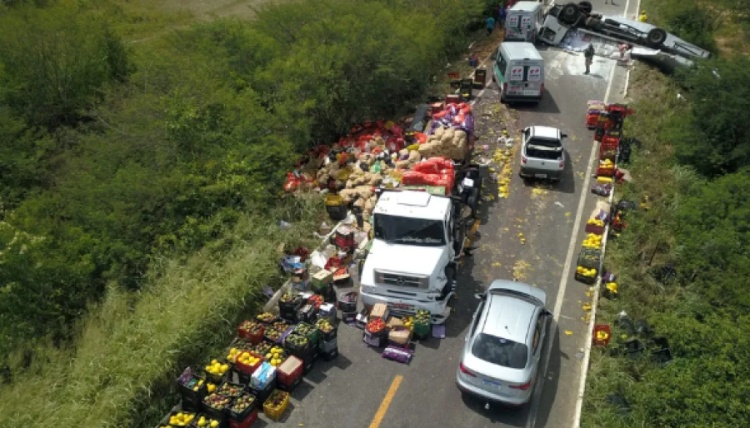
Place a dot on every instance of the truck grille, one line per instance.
(399, 280)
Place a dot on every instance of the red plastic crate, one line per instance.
(601, 328)
(605, 172)
(592, 120)
(251, 337)
(609, 139)
(288, 379)
(247, 423)
(592, 228)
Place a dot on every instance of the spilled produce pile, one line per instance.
(384, 154)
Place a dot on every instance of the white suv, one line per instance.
(542, 153)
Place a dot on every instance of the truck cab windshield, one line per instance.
(409, 231)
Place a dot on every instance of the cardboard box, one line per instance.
(321, 278)
(341, 274)
(327, 311)
(400, 336)
(360, 321)
(394, 322)
(261, 377)
(289, 371)
(379, 310)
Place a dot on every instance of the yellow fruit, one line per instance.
(214, 424)
(214, 362)
(269, 356)
(211, 387)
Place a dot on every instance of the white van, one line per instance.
(524, 21)
(518, 70)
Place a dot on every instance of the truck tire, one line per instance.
(585, 7)
(594, 23)
(569, 13)
(656, 37)
(459, 236)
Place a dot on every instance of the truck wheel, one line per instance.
(459, 235)
(656, 37)
(569, 13)
(594, 23)
(585, 7)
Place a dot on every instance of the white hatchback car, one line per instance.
(542, 153)
(503, 349)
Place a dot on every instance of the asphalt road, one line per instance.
(534, 236)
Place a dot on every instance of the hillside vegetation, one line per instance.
(142, 160)
(683, 260)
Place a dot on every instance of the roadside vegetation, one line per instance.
(682, 261)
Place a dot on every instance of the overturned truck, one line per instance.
(651, 40)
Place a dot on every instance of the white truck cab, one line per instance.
(411, 263)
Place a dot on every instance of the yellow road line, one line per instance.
(386, 402)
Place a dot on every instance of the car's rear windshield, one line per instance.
(502, 352)
(543, 148)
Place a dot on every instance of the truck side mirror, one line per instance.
(480, 296)
(564, 135)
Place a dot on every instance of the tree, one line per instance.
(718, 139)
(56, 62)
(713, 229)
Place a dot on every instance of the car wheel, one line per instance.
(656, 37)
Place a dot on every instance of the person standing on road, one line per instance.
(490, 25)
(588, 55)
(643, 17)
(610, 1)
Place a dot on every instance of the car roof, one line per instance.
(519, 51)
(526, 6)
(508, 317)
(545, 132)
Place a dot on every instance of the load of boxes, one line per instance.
(607, 121)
